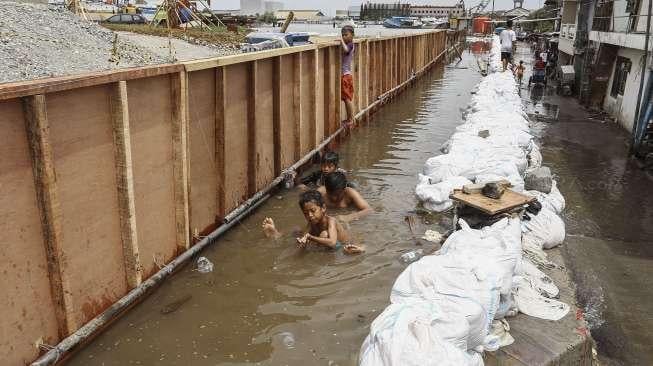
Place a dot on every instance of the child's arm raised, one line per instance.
(361, 205)
(345, 47)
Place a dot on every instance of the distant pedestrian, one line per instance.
(520, 71)
(507, 38)
(347, 80)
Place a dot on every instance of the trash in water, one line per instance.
(433, 236)
(288, 339)
(412, 256)
(204, 265)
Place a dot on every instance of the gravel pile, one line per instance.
(38, 41)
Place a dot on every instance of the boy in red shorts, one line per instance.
(347, 80)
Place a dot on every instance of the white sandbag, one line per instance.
(546, 229)
(417, 333)
(534, 157)
(442, 167)
(541, 282)
(494, 251)
(457, 285)
(530, 302)
(499, 336)
(435, 197)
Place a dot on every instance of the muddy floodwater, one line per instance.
(268, 303)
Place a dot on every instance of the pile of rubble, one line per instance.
(38, 41)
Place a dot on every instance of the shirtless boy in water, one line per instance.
(336, 194)
(322, 229)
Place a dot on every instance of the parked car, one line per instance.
(126, 19)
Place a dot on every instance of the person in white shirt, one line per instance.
(507, 38)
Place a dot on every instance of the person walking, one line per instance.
(507, 38)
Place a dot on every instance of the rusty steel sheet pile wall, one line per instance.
(106, 177)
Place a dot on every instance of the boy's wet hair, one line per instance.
(331, 157)
(509, 23)
(335, 181)
(347, 28)
(311, 196)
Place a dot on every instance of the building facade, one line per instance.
(251, 7)
(435, 11)
(378, 11)
(272, 6)
(605, 41)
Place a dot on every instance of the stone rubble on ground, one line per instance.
(37, 41)
(539, 179)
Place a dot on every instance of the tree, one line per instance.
(268, 17)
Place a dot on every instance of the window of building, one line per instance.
(621, 70)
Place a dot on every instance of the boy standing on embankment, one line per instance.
(347, 80)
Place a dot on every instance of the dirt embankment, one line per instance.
(39, 41)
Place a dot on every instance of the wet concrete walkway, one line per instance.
(268, 303)
(609, 218)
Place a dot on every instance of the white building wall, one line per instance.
(623, 107)
(251, 7)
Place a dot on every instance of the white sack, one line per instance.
(435, 197)
(530, 302)
(417, 333)
(546, 229)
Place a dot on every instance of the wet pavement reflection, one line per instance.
(609, 218)
(268, 303)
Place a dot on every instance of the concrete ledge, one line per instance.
(545, 342)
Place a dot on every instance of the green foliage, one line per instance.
(268, 17)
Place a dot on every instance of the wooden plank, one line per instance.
(276, 113)
(45, 182)
(315, 91)
(179, 91)
(251, 128)
(51, 85)
(220, 110)
(125, 183)
(264, 148)
(287, 111)
(297, 103)
(202, 193)
(490, 206)
(328, 91)
(338, 77)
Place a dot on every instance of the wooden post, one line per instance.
(252, 170)
(220, 120)
(366, 77)
(276, 113)
(179, 90)
(125, 183)
(312, 125)
(297, 103)
(338, 75)
(45, 184)
(328, 91)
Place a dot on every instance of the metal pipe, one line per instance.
(96, 324)
(641, 78)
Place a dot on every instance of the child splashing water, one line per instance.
(322, 229)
